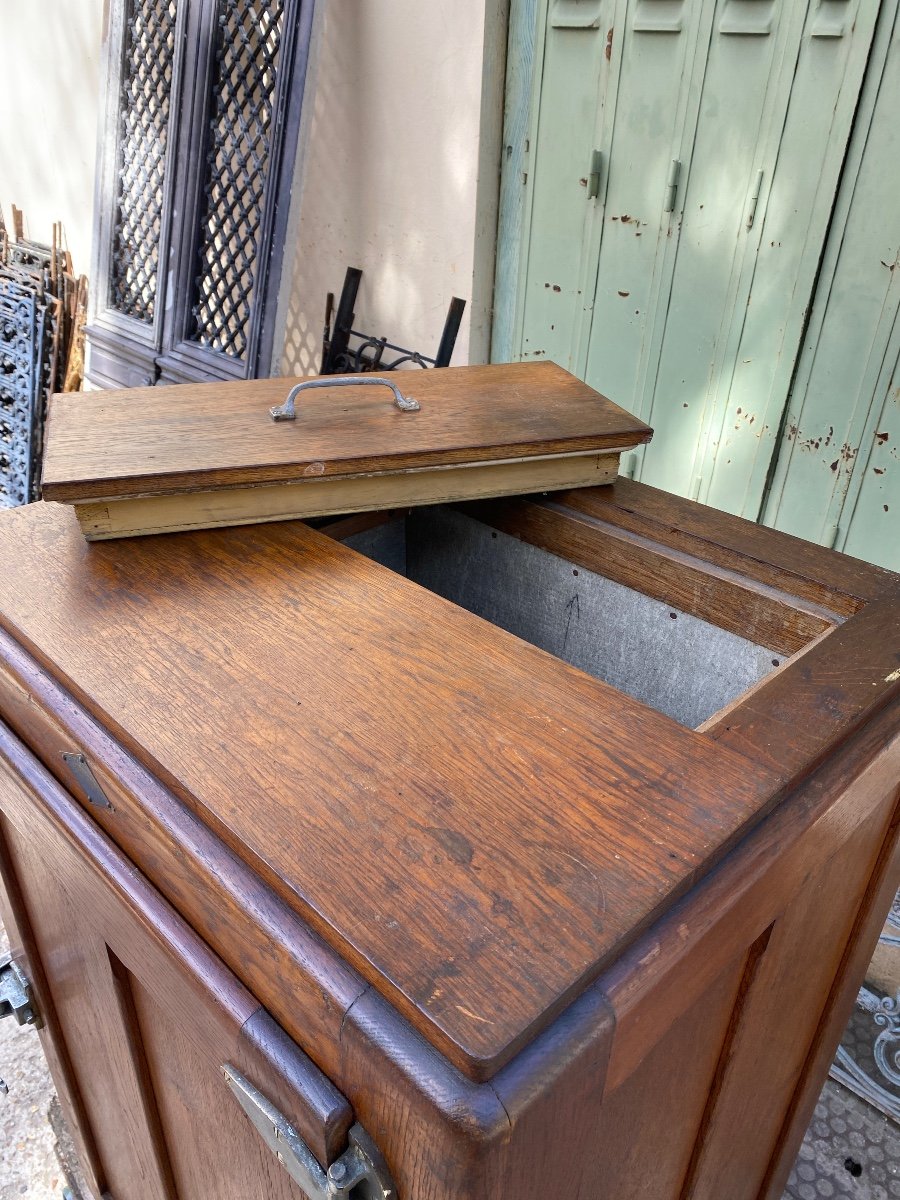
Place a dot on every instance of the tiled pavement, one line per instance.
(850, 1149)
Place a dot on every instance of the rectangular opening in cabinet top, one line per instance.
(674, 660)
(154, 460)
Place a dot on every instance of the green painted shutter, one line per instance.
(674, 301)
(837, 479)
(571, 79)
(804, 164)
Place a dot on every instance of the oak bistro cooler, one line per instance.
(517, 847)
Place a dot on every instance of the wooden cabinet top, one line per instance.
(474, 825)
(477, 828)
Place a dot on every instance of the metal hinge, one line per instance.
(754, 198)
(359, 1174)
(594, 175)
(15, 998)
(672, 185)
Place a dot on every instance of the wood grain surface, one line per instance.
(809, 571)
(279, 958)
(422, 842)
(103, 445)
(473, 824)
(733, 600)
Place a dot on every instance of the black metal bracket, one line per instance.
(340, 357)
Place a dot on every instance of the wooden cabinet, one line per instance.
(544, 841)
(142, 1016)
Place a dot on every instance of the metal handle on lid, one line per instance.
(288, 411)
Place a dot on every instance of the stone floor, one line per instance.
(850, 1150)
(28, 1162)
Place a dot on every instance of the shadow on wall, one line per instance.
(390, 173)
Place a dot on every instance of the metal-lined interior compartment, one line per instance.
(681, 665)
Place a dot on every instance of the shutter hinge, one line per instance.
(360, 1166)
(594, 175)
(672, 185)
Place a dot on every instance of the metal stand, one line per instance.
(339, 357)
(872, 1070)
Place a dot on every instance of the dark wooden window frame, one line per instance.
(125, 351)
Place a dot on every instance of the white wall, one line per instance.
(388, 179)
(48, 117)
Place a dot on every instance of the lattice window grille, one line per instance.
(144, 104)
(246, 70)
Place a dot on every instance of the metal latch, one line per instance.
(359, 1174)
(15, 998)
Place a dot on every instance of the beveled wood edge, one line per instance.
(261, 1037)
(808, 571)
(756, 611)
(135, 487)
(32, 799)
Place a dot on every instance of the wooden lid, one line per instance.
(171, 440)
(474, 825)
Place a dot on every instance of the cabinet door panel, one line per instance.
(23, 949)
(148, 1015)
(187, 1086)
